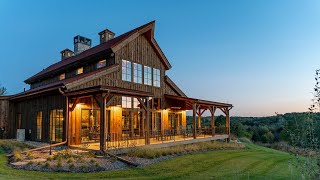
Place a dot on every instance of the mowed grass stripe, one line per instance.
(255, 162)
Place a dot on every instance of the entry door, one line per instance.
(90, 125)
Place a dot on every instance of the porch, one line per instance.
(104, 118)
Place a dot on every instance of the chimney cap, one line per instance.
(66, 50)
(107, 31)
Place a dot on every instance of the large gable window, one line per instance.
(137, 73)
(147, 75)
(126, 70)
(156, 77)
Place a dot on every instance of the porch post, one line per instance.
(103, 123)
(147, 122)
(194, 121)
(227, 124)
(68, 128)
(199, 118)
(212, 110)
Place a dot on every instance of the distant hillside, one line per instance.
(266, 129)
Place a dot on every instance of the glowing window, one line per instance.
(126, 102)
(101, 64)
(62, 76)
(79, 71)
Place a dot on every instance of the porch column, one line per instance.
(227, 124)
(103, 123)
(212, 110)
(147, 122)
(68, 127)
(194, 121)
(199, 118)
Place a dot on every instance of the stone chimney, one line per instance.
(106, 35)
(66, 54)
(81, 44)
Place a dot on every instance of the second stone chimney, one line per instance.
(106, 35)
(66, 54)
(81, 44)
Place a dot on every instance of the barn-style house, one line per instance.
(112, 94)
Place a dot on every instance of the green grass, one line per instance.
(254, 162)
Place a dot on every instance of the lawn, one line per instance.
(255, 162)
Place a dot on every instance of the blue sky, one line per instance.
(258, 55)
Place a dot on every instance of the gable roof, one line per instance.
(61, 83)
(174, 86)
(113, 44)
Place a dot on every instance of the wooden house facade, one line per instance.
(115, 90)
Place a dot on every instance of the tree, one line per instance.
(305, 134)
(3, 91)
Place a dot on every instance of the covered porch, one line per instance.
(102, 118)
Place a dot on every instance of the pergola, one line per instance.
(198, 107)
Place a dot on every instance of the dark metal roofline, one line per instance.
(92, 51)
(199, 101)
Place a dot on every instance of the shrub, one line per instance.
(147, 152)
(46, 165)
(71, 166)
(70, 160)
(59, 164)
(17, 155)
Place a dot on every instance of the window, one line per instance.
(172, 120)
(19, 121)
(136, 103)
(126, 102)
(62, 76)
(137, 73)
(79, 71)
(39, 125)
(126, 70)
(101, 64)
(156, 77)
(147, 75)
(56, 125)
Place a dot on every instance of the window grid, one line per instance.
(126, 102)
(126, 71)
(56, 125)
(156, 77)
(137, 73)
(147, 75)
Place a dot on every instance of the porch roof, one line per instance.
(186, 103)
(110, 89)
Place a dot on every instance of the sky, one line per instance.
(258, 55)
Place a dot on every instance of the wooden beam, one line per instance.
(67, 120)
(142, 104)
(96, 99)
(148, 122)
(110, 98)
(74, 104)
(212, 111)
(103, 122)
